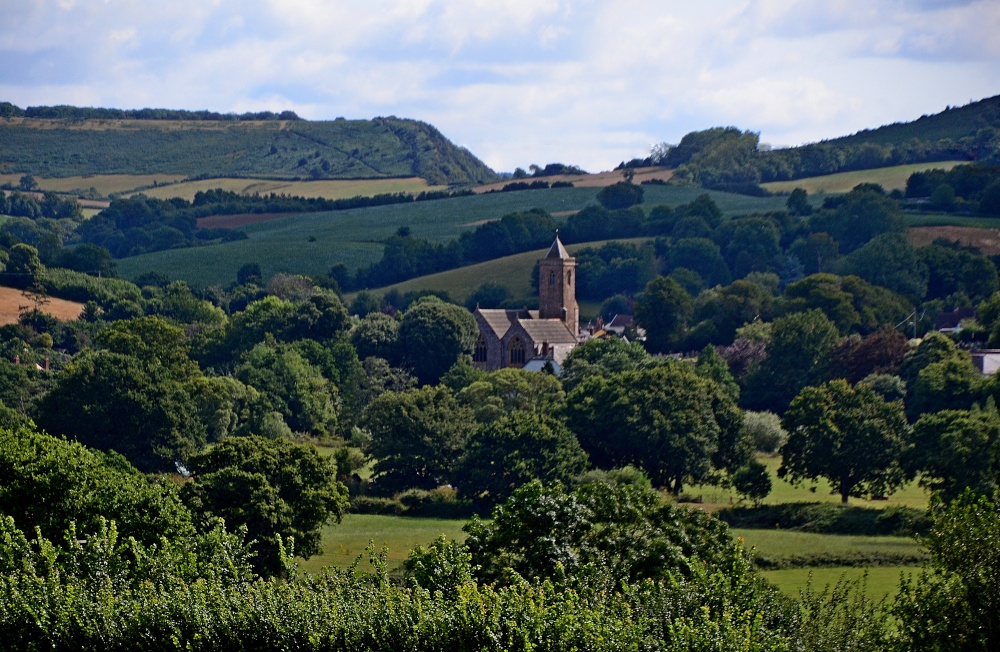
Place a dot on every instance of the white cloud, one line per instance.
(588, 82)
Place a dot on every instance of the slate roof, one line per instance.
(557, 250)
(499, 320)
(553, 331)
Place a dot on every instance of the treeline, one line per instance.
(727, 158)
(963, 189)
(66, 112)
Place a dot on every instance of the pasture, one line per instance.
(312, 243)
(879, 582)
(890, 178)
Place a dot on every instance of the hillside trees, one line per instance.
(663, 309)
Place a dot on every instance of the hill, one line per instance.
(278, 149)
(314, 242)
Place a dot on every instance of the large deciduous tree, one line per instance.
(273, 487)
(663, 309)
(433, 335)
(666, 420)
(958, 449)
(515, 449)
(849, 435)
(417, 437)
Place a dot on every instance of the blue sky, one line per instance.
(583, 82)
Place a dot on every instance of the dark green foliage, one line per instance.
(880, 353)
(664, 310)
(797, 355)
(515, 449)
(113, 401)
(276, 489)
(492, 395)
(952, 604)
(382, 147)
(858, 217)
(957, 449)
(377, 335)
(848, 435)
(432, 336)
(890, 261)
(50, 483)
(752, 481)
(666, 420)
(597, 357)
(417, 437)
(620, 195)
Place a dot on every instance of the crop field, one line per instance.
(326, 188)
(12, 301)
(105, 184)
(312, 243)
(891, 178)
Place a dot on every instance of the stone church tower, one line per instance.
(557, 287)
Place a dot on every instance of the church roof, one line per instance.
(553, 331)
(558, 250)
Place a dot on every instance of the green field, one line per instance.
(343, 543)
(353, 237)
(891, 178)
(909, 495)
(882, 582)
(105, 184)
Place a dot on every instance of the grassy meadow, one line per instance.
(890, 178)
(344, 543)
(312, 243)
(105, 184)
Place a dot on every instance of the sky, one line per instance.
(517, 82)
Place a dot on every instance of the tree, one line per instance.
(293, 387)
(49, 483)
(954, 603)
(713, 367)
(600, 530)
(797, 355)
(112, 401)
(24, 268)
(848, 435)
(890, 261)
(598, 357)
(433, 334)
(417, 437)
(663, 309)
(275, 488)
(377, 335)
(798, 203)
(27, 183)
(515, 449)
(506, 391)
(957, 449)
(666, 420)
(620, 195)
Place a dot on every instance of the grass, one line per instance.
(353, 237)
(909, 495)
(890, 178)
(344, 542)
(883, 582)
(789, 544)
(949, 219)
(512, 272)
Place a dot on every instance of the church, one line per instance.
(519, 338)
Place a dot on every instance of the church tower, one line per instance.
(557, 287)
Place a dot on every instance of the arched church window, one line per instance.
(552, 278)
(516, 352)
(481, 352)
